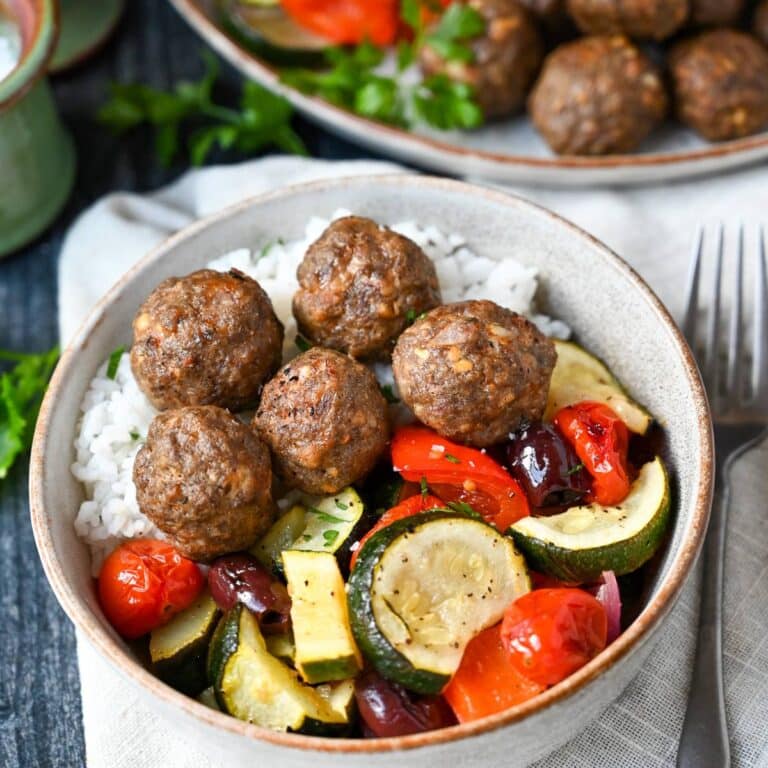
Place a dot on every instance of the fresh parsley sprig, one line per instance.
(21, 393)
(354, 78)
(262, 120)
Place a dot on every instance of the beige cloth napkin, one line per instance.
(650, 227)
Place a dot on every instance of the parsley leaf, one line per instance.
(424, 487)
(262, 120)
(329, 537)
(450, 457)
(21, 392)
(457, 25)
(573, 470)
(114, 363)
(354, 79)
(389, 395)
(302, 343)
(324, 516)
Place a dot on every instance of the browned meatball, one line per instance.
(597, 96)
(720, 80)
(325, 420)
(474, 371)
(712, 13)
(652, 19)
(360, 285)
(204, 479)
(760, 22)
(210, 338)
(506, 58)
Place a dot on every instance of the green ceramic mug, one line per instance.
(37, 159)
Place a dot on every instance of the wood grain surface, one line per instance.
(40, 717)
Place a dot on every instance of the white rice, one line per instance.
(116, 414)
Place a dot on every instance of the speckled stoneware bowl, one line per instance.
(613, 312)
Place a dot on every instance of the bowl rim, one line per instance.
(39, 24)
(635, 635)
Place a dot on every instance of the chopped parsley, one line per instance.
(450, 457)
(340, 504)
(114, 362)
(302, 343)
(324, 516)
(465, 509)
(457, 25)
(575, 469)
(135, 435)
(410, 316)
(306, 537)
(424, 487)
(329, 537)
(389, 395)
(21, 392)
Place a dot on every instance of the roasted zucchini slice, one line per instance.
(254, 686)
(325, 647)
(178, 649)
(579, 544)
(423, 587)
(580, 376)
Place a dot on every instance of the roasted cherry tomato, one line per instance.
(348, 21)
(550, 633)
(387, 709)
(601, 441)
(145, 582)
(487, 682)
(411, 506)
(546, 466)
(457, 473)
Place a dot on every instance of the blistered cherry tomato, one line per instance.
(240, 578)
(387, 709)
(546, 466)
(145, 582)
(550, 633)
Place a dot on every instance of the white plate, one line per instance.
(507, 152)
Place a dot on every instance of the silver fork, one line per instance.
(738, 395)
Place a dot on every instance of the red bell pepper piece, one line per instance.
(487, 682)
(348, 22)
(457, 473)
(411, 506)
(601, 441)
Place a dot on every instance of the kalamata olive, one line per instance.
(242, 579)
(546, 466)
(387, 709)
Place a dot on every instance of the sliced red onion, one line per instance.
(607, 592)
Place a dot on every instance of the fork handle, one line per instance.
(704, 741)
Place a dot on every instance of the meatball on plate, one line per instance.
(447, 88)
(343, 561)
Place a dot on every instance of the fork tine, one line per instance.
(760, 341)
(711, 356)
(734, 374)
(692, 295)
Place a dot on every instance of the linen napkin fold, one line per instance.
(652, 228)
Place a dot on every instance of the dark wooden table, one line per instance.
(40, 717)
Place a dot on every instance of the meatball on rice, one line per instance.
(597, 96)
(720, 80)
(506, 58)
(474, 371)
(205, 480)
(325, 421)
(209, 338)
(360, 285)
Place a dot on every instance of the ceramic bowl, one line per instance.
(611, 310)
(37, 158)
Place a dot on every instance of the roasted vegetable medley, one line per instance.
(339, 565)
